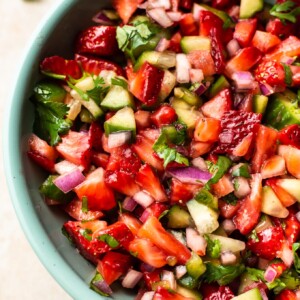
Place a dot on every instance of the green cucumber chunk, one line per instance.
(178, 217)
(249, 8)
(49, 91)
(167, 85)
(192, 43)
(260, 103)
(188, 96)
(253, 294)
(122, 120)
(208, 199)
(190, 294)
(86, 116)
(195, 266)
(188, 281)
(220, 84)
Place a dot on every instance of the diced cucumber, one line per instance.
(220, 84)
(178, 217)
(228, 244)
(249, 8)
(86, 116)
(208, 199)
(271, 205)
(190, 294)
(260, 103)
(205, 218)
(117, 98)
(86, 84)
(163, 60)
(253, 294)
(195, 266)
(49, 91)
(245, 282)
(186, 113)
(191, 43)
(167, 85)
(291, 185)
(188, 281)
(93, 108)
(122, 120)
(188, 96)
(282, 110)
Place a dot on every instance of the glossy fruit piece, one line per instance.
(244, 31)
(248, 214)
(164, 294)
(291, 156)
(156, 209)
(182, 192)
(199, 148)
(208, 20)
(280, 29)
(99, 195)
(202, 59)
(147, 84)
(154, 231)
(164, 115)
(98, 40)
(222, 101)
(207, 130)
(142, 119)
(175, 43)
(131, 222)
(270, 241)
(244, 60)
(186, 4)
(95, 133)
(125, 8)
(64, 68)
(100, 159)
(272, 167)
(264, 41)
(146, 251)
(42, 153)
(264, 147)
(113, 265)
(286, 295)
(219, 4)
(228, 210)
(151, 278)
(188, 26)
(223, 187)
(76, 148)
(149, 181)
(94, 65)
(290, 135)
(289, 47)
(216, 292)
(291, 228)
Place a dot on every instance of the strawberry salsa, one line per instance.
(171, 140)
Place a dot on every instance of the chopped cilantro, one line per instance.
(86, 233)
(236, 184)
(109, 240)
(213, 248)
(99, 91)
(242, 171)
(253, 236)
(230, 199)
(119, 81)
(206, 198)
(84, 207)
(285, 11)
(296, 247)
(288, 75)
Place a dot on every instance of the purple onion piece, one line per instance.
(101, 18)
(266, 89)
(129, 204)
(190, 174)
(102, 286)
(201, 89)
(69, 181)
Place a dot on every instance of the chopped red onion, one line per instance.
(175, 16)
(143, 198)
(166, 4)
(228, 226)
(243, 80)
(101, 18)
(129, 204)
(243, 187)
(102, 286)
(65, 166)
(195, 241)
(199, 163)
(131, 279)
(119, 138)
(233, 47)
(196, 75)
(146, 267)
(67, 182)
(162, 45)
(234, 12)
(196, 11)
(266, 89)
(145, 215)
(189, 174)
(148, 295)
(287, 255)
(169, 277)
(160, 16)
(287, 60)
(228, 258)
(201, 89)
(180, 271)
(270, 274)
(298, 216)
(182, 68)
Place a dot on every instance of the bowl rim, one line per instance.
(34, 231)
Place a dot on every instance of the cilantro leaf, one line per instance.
(288, 75)
(222, 274)
(84, 207)
(230, 199)
(109, 240)
(206, 198)
(99, 91)
(296, 247)
(50, 122)
(213, 248)
(86, 233)
(285, 11)
(119, 81)
(242, 171)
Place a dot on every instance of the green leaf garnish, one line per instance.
(213, 248)
(84, 207)
(288, 75)
(242, 171)
(296, 247)
(285, 11)
(109, 240)
(120, 82)
(86, 233)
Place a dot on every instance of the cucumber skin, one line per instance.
(255, 6)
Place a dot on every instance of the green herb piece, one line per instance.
(222, 274)
(205, 197)
(84, 207)
(213, 248)
(120, 82)
(288, 75)
(236, 184)
(296, 247)
(109, 240)
(99, 91)
(230, 199)
(285, 11)
(254, 236)
(67, 235)
(80, 92)
(242, 171)
(86, 233)
(175, 133)
(93, 285)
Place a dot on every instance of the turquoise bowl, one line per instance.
(42, 224)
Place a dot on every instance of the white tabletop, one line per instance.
(22, 276)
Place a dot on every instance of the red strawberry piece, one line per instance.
(147, 84)
(113, 265)
(57, 65)
(100, 159)
(280, 29)
(188, 25)
(208, 20)
(147, 179)
(175, 43)
(151, 278)
(236, 125)
(164, 115)
(264, 41)
(98, 40)
(156, 209)
(98, 194)
(292, 228)
(94, 65)
(125, 8)
(215, 292)
(186, 4)
(142, 119)
(164, 294)
(42, 153)
(244, 31)
(267, 242)
(219, 4)
(202, 59)
(199, 148)
(95, 133)
(131, 222)
(286, 295)
(76, 148)
(228, 210)
(290, 135)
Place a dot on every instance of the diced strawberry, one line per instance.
(264, 41)
(164, 115)
(208, 20)
(100, 159)
(280, 29)
(264, 147)
(165, 294)
(98, 40)
(182, 192)
(113, 265)
(290, 135)
(125, 8)
(156, 209)
(291, 156)
(42, 153)
(76, 148)
(94, 65)
(151, 278)
(244, 146)
(286, 295)
(218, 105)
(147, 84)
(216, 292)
(202, 59)
(228, 210)
(99, 195)
(223, 187)
(273, 166)
(244, 60)
(289, 47)
(199, 148)
(188, 25)
(269, 243)
(291, 228)
(244, 31)
(236, 125)
(74, 209)
(131, 222)
(59, 66)
(186, 4)
(249, 212)
(175, 43)
(154, 231)
(142, 119)
(149, 181)
(207, 130)
(95, 133)
(220, 4)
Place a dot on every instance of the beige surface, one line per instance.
(22, 276)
